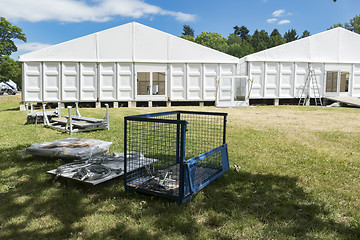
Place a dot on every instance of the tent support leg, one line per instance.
(23, 107)
(276, 102)
(131, 104)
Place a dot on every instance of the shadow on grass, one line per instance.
(15, 109)
(33, 207)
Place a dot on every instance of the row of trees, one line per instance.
(353, 25)
(9, 68)
(240, 43)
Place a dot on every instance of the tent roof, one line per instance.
(337, 45)
(131, 42)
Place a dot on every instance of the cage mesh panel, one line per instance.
(169, 117)
(206, 168)
(204, 132)
(157, 170)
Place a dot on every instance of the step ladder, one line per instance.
(310, 83)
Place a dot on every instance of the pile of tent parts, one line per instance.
(94, 170)
(90, 163)
(69, 148)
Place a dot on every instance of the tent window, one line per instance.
(158, 83)
(344, 82)
(331, 81)
(240, 89)
(143, 83)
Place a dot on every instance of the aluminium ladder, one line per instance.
(310, 83)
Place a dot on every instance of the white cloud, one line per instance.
(80, 10)
(29, 47)
(278, 13)
(285, 21)
(271, 20)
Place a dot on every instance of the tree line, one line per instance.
(240, 43)
(9, 68)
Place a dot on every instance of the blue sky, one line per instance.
(49, 22)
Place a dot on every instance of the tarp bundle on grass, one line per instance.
(69, 148)
(100, 168)
(91, 163)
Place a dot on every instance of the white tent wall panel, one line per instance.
(243, 66)
(227, 69)
(194, 82)
(51, 81)
(300, 77)
(125, 81)
(225, 89)
(210, 72)
(178, 82)
(256, 72)
(32, 82)
(271, 80)
(226, 84)
(108, 82)
(355, 86)
(286, 80)
(69, 82)
(88, 82)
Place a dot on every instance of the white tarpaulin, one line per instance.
(132, 42)
(333, 46)
(69, 148)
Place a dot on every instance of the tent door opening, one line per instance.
(337, 83)
(232, 91)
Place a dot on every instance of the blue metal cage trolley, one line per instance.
(180, 151)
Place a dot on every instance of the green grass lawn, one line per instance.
(294, 174)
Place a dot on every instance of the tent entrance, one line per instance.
(337, 83)
(232, 91)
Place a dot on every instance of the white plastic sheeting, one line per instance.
(132, 42)
(69, 148)
(333, 46)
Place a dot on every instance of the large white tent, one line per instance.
(128, 63)
(280, 72)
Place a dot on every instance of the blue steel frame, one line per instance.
(187, 186)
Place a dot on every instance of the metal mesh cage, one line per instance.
(174, 154)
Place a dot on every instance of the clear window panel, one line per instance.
(344, 82)
(331, 81)
(240, 89)
(158, 83)
(143, 83)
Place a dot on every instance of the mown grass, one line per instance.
(295, 174)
